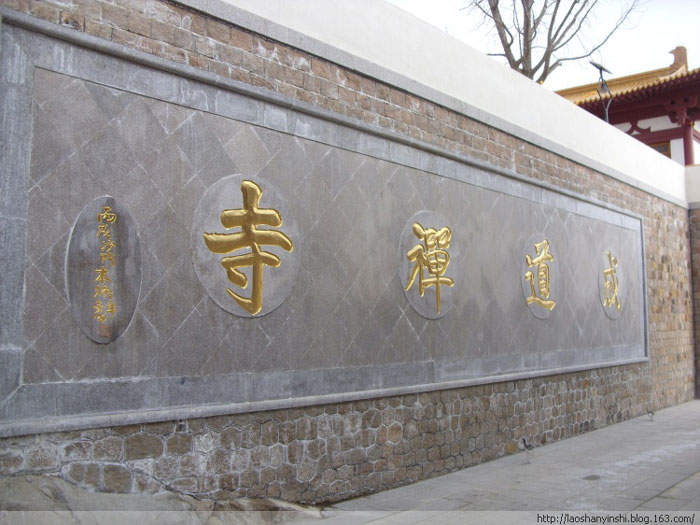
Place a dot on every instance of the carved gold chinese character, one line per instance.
(103, 291)
(611, 283)
(248, 218)
(111, 308)
(102, 274)
(103, 230)
(431, 255)
(107, 244)
(107, 256)
(99, 312)
(540, 295)
(107, 215)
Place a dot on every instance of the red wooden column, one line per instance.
(688, 147)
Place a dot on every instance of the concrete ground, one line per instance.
(645, 464)
(647, 468)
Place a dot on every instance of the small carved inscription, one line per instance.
(103, 271)
(105, 306)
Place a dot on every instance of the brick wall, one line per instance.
(337, 451)
(694, 224)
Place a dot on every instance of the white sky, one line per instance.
(643, 43)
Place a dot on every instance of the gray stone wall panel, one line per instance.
(158, 142)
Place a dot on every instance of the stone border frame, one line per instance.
(288, 116)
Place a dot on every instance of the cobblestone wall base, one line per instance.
(333, 452)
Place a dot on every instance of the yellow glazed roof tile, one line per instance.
(623, 85)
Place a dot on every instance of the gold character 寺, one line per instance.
(611, 283)
(540, 295)
(431, 255)
(248, 219)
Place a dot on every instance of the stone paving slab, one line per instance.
(51, 500)
(651, 463)
(648, 466)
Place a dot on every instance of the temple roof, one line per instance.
(637, 83)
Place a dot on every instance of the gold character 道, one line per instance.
(248, 218)
(432, 254)
(540, 262)
(611, 283)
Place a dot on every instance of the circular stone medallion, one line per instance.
(244, 244)
(539, 275)
(427, 247)
(611, 283)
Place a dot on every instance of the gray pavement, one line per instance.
(646, 470)
(645, 464)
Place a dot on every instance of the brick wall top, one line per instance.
(384, 42)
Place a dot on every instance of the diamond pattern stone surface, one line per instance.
(346, 307)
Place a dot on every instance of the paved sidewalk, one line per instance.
(645, 464)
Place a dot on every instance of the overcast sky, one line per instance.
(642, 44)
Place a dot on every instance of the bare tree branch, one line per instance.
(570, 32)
(527, 36)
(504, 35)
(544, 29)
(538, 19)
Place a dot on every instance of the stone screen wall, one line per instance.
(342, 313)
(160, 140)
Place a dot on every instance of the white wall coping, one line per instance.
(382, 41)
(692, 177)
